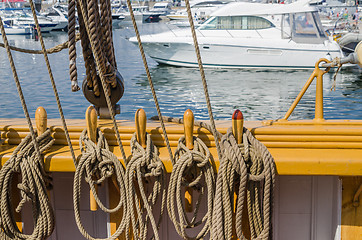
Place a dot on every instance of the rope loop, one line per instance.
(97, 164)
(144, 165)
(247, 169)
(193, 168)
(33, 188)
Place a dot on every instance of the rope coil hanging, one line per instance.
(25, 161)
(250, 164)
(192, 168)
(99, 22)
(97, 164)
(145, 164)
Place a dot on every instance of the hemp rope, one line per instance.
(54, 49)
(52, 82)
(71, 45)
(96, 164)
(150, 80)
(203, 78)
(197, 163)
(8, 227)
(102, 78)
(96, 37)
(145, 165)
(25, 161)
(250, 164)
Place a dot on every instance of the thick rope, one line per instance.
(44, 211)
(203, 78)
(97, 57)
(252, 166)
(145, 166)
(150, 80)
(54, 49)
(24, 161)
(72, 49)
(97, 164)
(198, 167)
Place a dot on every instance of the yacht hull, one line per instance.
(239, 54)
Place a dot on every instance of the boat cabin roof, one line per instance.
(246, 8)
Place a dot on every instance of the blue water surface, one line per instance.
(258, 94)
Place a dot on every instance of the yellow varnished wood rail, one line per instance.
(298, 147)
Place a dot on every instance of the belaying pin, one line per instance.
(238, 125)
(140, 122)
(189, 139)
(41, 122)
(91, 120)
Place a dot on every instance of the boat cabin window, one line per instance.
(303, 27)
(237, 23)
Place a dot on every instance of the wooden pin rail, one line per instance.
(298, 147)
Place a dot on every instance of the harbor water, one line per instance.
(259, 94)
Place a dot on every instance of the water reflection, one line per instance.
(259, 94)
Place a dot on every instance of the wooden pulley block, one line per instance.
(100, 101)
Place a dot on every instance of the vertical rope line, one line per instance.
(197, 50)
(150, 80)
(53, 82)
(20, 92)
(105, 89)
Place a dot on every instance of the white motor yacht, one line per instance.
(16, 30)
(57, 16)
(24, 18)
(248, 35)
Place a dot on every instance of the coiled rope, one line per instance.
(34, 180)
(250, 164)
(199, 165)
(145, 164)
(97, 164)
(43, 214)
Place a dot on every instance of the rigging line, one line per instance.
(105, 88)
(197, 50)
(150, 80)
(53, 82)
(20, 92)
(54, 49)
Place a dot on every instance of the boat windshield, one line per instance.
(236, 23)
(303, 27)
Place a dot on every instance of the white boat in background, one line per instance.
(141, 14)
(24, 18)
(17, 30)
(248, 35)
(56, 15)
(199, 8)
(163, 8)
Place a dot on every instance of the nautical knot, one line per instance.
(25, 163)
(144, 166)
(196, 169)
(247, 167)
(97, 164)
